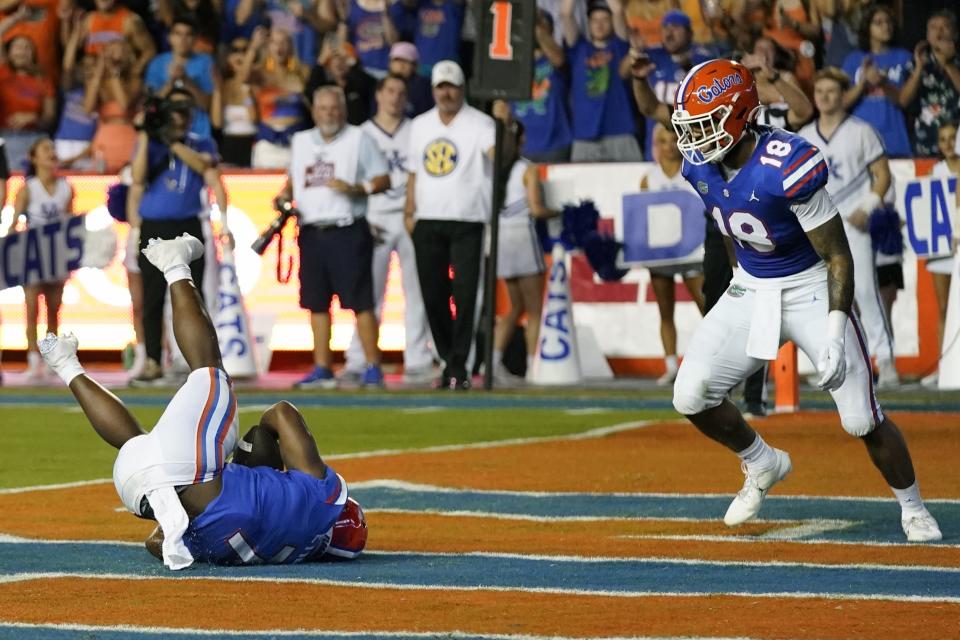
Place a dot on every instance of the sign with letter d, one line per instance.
(662, 228)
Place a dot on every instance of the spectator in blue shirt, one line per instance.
(181, 68)
(371, 33)
(436, 27)
(603, 123)
(304, 20)
(545, 118)
(673, 60)
(879, 69)
(172, 170)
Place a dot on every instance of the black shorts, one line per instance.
(889, 274)
(336, 260)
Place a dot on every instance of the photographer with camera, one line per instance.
(334, 167)
(172, 170)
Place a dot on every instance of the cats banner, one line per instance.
(50, 252)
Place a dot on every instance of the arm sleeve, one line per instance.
(204, 77)
(804, 170)
(413, 151)
(488, 134)
(815, 210)
(872, 144)
(851, 64)
(372, 161)
(155, 76)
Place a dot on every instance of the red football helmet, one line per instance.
(349, 535)
(714, 104)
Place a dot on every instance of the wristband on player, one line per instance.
(870, 203)
(367, 187)
(836, 325)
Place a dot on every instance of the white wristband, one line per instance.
(69, 370)
(368, 187)
(836, 325)
(870, 203)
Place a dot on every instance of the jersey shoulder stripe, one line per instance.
(814, 169)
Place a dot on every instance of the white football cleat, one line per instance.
(58, 352)
(921, 528)
(166, 254)
(746, 504)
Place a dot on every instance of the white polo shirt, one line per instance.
(453, 171)
(352, 156)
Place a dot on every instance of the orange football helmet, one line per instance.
(349, 535)
(714, 104)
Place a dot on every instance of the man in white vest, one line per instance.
(391, 130)
(448, 206)
(334, 167)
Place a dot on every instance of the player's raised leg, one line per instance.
(714, 362)
(192, 327)
(861, 416)
(108, 415)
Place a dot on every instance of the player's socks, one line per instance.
(918, 524)
(759, 455)
(910, 501)
(61, 355)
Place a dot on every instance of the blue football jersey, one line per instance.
(753, 207)
(265, 516)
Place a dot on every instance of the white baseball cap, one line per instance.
(446, 71)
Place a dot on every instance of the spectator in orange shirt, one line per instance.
(111, 21)
(40, 23)
(112, 93)
(27, 98)
(644, 17)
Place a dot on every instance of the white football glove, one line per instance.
(831, 361)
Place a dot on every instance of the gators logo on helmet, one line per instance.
(714, 104)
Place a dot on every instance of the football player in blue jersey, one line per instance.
(794, 281)
(207, 509)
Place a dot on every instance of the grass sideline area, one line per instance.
(46, 444)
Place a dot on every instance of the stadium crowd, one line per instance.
(79, 72)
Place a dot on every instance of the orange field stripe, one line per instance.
(676, 458)
(266, 605)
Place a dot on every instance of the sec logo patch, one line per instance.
(440, 157)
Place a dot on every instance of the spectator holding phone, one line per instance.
(785, 105)
(935, 81)
(879, 70)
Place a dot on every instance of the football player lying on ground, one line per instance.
(209, 510)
